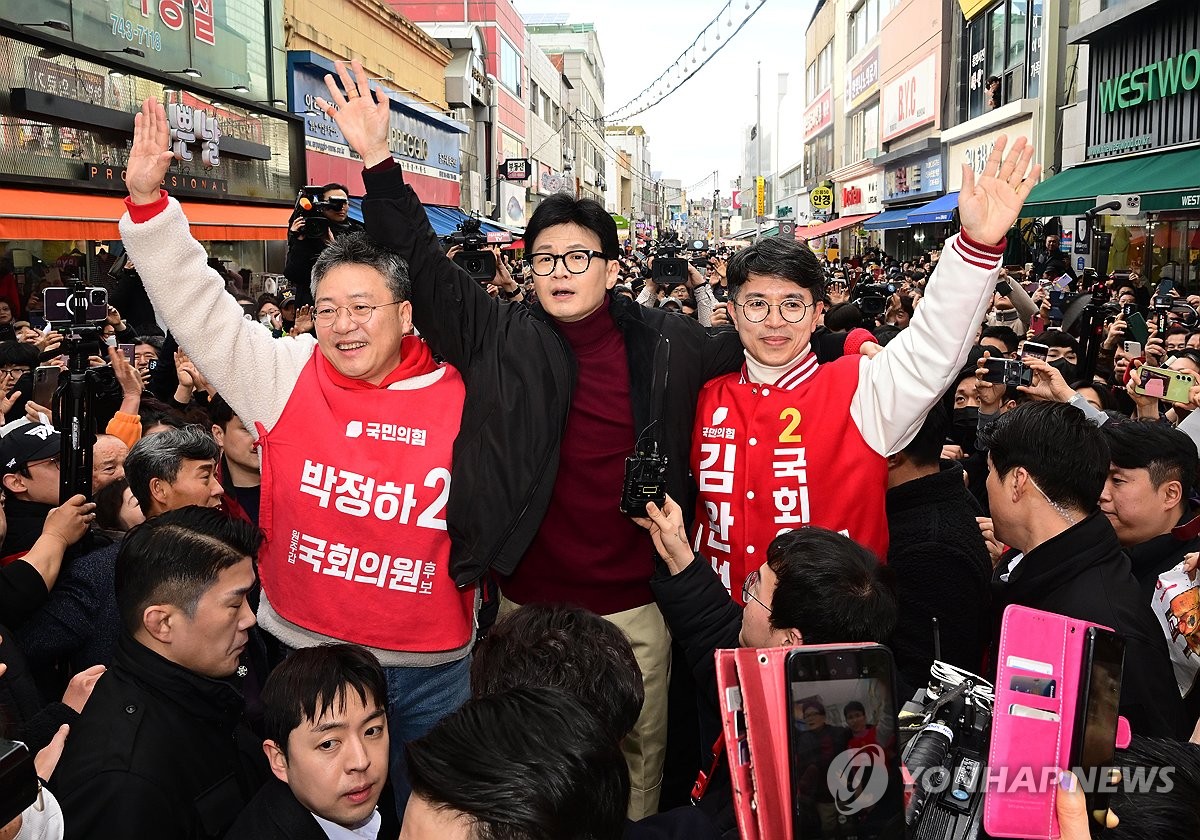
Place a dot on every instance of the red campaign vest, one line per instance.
(354, 496)
(769, 459)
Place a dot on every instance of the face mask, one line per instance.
(965, 427)
(1069, 371)
(265, 320)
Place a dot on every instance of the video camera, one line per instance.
(949, 723)
(474, 258)
(669, 268)
(311, 204)
(871, 299)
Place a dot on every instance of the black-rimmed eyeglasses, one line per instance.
(750, 589)
(576, 262)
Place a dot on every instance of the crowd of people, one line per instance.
(362, 560)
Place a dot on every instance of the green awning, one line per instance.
(1165, 181)
(621, 221)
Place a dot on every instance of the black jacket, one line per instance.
(942, 570)
(275, 814)
(519, 374)
(1083, 573)
(158, 752)
(703, 618)
(23, 716)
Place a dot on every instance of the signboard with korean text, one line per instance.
(911, 178)
(910, 100)
(974, 150)
(515, 169)
(819, 115)
(864, 78)
(861, 195)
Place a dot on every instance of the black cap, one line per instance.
(22, 442)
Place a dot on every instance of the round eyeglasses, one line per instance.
(750, 589)
(756, 310)
(576, 262)
(359, 313)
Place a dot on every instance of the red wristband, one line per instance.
(855, 339)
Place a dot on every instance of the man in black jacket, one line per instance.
(938, 556)
(1047, 467)
(329, 219)
(558, 395)
(160, 749)
(327, 743)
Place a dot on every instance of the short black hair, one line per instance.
(925, 449)
(109, 500)
(176, 557)
(1005, 335)
(564, 209)
(567, 647)
(830, 588)
(1167, 453)
(19, 353)
(311, 681)
(219, 411)
(524, 764)
(843, 317)
(1103, 392)
(335, 186)
(1166, 813)
(1058, 338)
(775, 257)
(853, 706)
(1064, 452)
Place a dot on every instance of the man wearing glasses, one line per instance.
(29, 473)
(303, 250)
(355, 428)
(784, 443)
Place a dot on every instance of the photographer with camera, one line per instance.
(321, 214)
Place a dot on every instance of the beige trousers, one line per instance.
(645, 747)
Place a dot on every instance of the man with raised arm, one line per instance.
(355, 427)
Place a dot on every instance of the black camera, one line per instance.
(872, 298)
(669, 267)
(949, 724)
(1007, 372)
(1128, 309)
(18, 780)
(645, 481)
(311, 205)
(474, 258)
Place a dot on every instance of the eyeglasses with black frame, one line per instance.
(756, 310)
(360, 313)
(750, 589)
(576, 262)
(12, 372)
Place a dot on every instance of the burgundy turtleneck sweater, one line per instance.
(586, 551)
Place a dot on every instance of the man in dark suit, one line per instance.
(327, 743)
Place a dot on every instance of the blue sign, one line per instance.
(922, 176)
(424, 139)
(1079, 266)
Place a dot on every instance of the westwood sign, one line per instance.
(1169, 77)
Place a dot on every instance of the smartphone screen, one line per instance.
(842, 743)
(127, 349)
(1093, 744)
(1138, 329)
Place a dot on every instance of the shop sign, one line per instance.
(69, 83)
(910, 100)
(918, 177)
(515, 169)
(819, 115)
(861, 195)
(192, 125)
(821, 200)
(1162, 79)
(421, 146)
(176, 183)
(974, 151)
(864, 77)
(554, 182)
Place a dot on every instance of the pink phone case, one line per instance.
(1031, 752)
(741, 765)
(764, 691)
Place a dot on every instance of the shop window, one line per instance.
(820, 72)
(1001, 57)
(864, 135)
(818, 158)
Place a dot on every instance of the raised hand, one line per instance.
(150, 156)
(988, 205)
(361, 113)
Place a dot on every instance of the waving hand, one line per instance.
(988, 205)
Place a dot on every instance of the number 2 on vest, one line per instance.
(789, 434)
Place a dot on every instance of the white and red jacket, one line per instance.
(355, 477)
(772, 451)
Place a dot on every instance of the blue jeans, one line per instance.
(417, 699)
